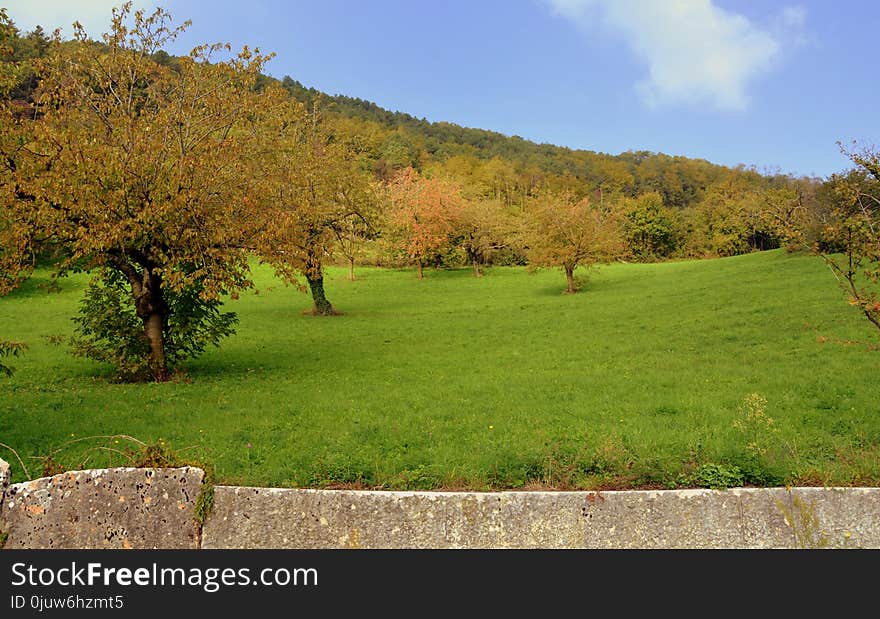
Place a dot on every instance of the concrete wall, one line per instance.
(154, 508)
(4, 479)
(108, 508)
(737, 518)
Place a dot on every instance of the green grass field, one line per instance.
(500, 382)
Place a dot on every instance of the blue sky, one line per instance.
(769, 84)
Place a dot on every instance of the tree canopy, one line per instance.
(853, 229)
(142, 171)
(567, 232)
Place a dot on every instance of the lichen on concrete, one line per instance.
(698, 519)
(106, 508)
(5, 476)
(274, 518)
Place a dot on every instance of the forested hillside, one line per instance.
(700, 209)
(692, 207)
(681, 180)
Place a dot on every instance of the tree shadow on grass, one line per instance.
(42, 286)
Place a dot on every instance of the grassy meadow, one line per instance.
(500, 382)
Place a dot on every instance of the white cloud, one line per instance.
(794, 16)
(695, 51)
(94, 15)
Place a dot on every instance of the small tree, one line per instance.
(146, 172)
(570, 233)
(323, 200)
(352, 234)
(483, 229)
(110, 330)
(422, 215)
(854, 231)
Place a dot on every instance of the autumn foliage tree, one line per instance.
(483, 229)
(16, 246)
(322, 199)
(143, 173)
(567, 232)
(422, 215)
(852, 232)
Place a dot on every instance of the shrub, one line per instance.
(109, 330)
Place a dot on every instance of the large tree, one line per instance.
(146, 173)
(567, 232)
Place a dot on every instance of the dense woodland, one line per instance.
(675, 206)
(163, 175)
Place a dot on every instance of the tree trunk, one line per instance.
(323, 307)
(569, 274)
(155, 334)
(477, 271)
(351, 276)
(149, 303)
(475, 261)
(150, 307)
(421, 270)
(315, 276)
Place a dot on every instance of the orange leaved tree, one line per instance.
(422, 215)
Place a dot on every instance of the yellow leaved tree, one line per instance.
(147, 174)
